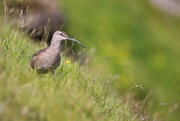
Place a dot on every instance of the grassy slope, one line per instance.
(26, 96)
(136, 43)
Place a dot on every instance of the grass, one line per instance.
(77, 96)
(129, 42)
(136, 43)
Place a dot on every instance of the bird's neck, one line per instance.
(55, 47)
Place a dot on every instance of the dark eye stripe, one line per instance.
(63, 35)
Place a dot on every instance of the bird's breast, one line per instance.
(48, 61)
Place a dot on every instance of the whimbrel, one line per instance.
(48, 59)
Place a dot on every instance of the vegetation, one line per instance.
(26, 96)
(135, 43)
(128, 43)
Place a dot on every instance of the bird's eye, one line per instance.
(62, 34)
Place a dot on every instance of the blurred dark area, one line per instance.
(38, 18)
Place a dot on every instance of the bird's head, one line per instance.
(60, 35)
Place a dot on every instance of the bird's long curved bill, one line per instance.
(74, 40)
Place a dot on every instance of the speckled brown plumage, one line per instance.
(44, 61)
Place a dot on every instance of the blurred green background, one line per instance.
(130, 42)
(133, 42)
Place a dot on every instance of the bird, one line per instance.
(48, 59)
